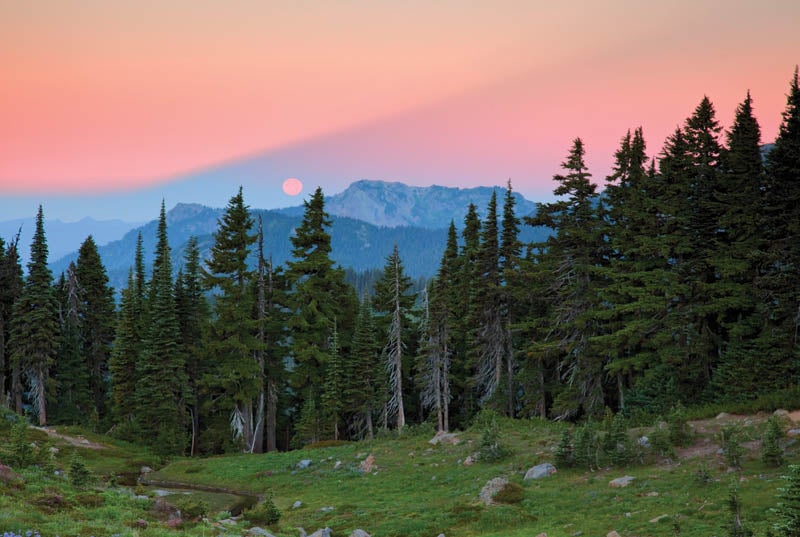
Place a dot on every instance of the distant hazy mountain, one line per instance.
(63, 237)
(356, 244)
(395, 204)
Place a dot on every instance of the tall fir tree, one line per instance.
(333, 385)
(576, 249)
(122, 364)
(161, 389)
(96, 311)
(34, 327)
(318, 296)
(193, 316)
(363, 372)
(11, 283)
(393, 302)
(71, 395)
(233, 335)
(509, 263)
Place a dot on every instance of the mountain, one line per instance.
(392, 204)
(63, 237)
(356, 244)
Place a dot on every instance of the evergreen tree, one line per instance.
(788, 508)
(72, 398)
(490, 333)
(779, 283)
(96, 312)
(333, 386)
(576, 250)
(233, 337)
(161, 378)
(318, 296)
(122, 364)
(11, 283)
(394, 302)
(511, 306)
(362, 371)
(34, 326)
(193, 315)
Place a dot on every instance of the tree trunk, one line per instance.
(41, 396)
(272, 415)
(370, 431)
(258, 430)
(510, 373)
(195, 429)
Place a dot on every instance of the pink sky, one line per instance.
(99, 95)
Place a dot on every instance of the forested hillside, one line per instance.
(681, 284)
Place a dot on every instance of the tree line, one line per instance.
(680, 282)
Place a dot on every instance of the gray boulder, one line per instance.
(492, 487)
(325, 532)
(360, 533)
(305, 463)
(258, 532)
(540, 471)
(621, 482)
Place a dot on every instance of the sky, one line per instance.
(107, 106)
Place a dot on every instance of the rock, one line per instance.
(302, 465)
(440, 535)
(228, 522)
(540, 471)
(145, 470)
(793, 433)
(781, 413)
(141, 497)
(492, 487)
(621, 482)
(658, 519)
(612, 533)
(644, 442)
(543, 534)
(259, 532)
(327, 509)
(469, 461)
(444, 438)
(722, 416)
(9, 476)
(325, 532)
(161, 493)
(652, 494)
(54, 450)
(302, 532)
(359, 533)
(297, 505)
(337, 465)
(367, 465)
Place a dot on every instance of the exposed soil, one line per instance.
(77, 441)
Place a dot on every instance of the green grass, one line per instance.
(416, 490)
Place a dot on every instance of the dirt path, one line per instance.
(77, 441)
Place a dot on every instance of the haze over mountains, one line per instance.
(369, 217)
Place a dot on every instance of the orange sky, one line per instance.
(98, 95)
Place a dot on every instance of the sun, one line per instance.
(292, 186)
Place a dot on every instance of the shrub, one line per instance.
(490, 449)
(618, 446)
(21, 451)
(732, 450)
(78, 472)
(265, 513)
(679, 433)
(191, 508)
(564, 452)
(771, 450)
(586, 447)
(510, 493)
(660, 442)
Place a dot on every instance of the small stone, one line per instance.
(141, 497)
(359, 533)
(781, 413)
(259, 532)
(327, 509)
(367, 465)
(577, 534)
(297, 505)
(337, 465)
(469, 461)
(722, 416)
(543, 534)
(145, 470)
(612, 533)
(793, 433)
(228, 522)
(644, 442)
(652, 494)
(302, 465)
(325, 532)
(621, 482)
(540, 471)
